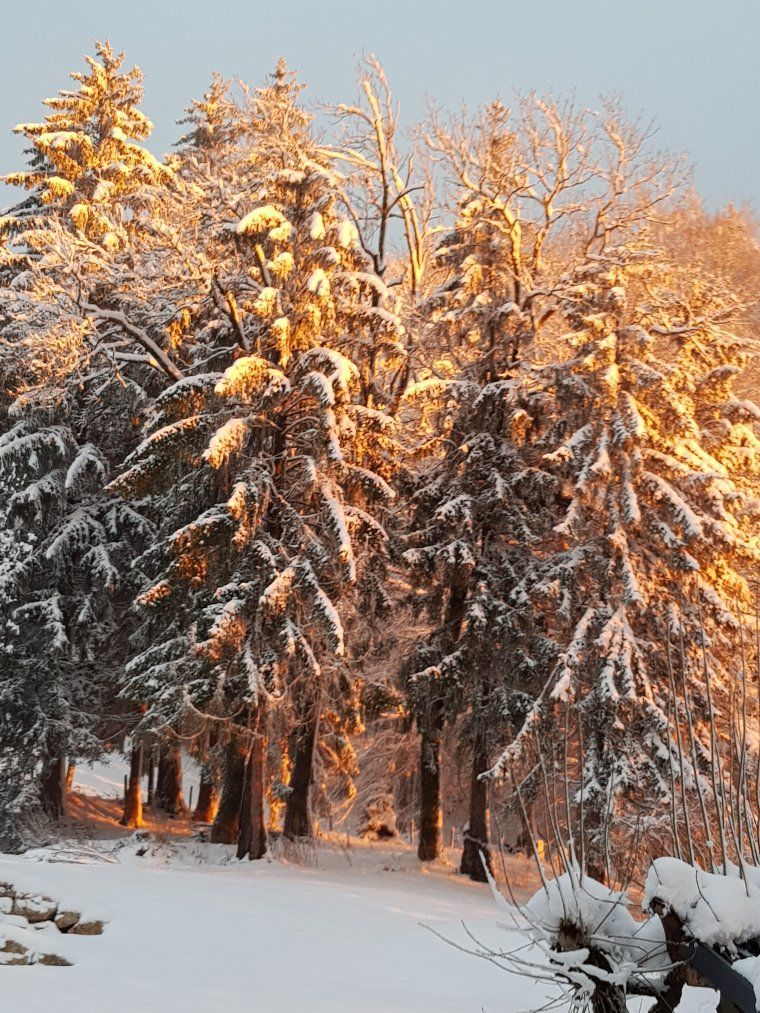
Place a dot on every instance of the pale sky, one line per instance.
(692, 65)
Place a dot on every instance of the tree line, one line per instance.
(311, 433)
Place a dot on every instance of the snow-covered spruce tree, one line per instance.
(258, 473)
(535, 194)
(81, 378)
(479, 515)
(67, 257)
(65, 595)
(86, 159)
(498, 268)
(658, 463)
(19, 788)
(372, 337)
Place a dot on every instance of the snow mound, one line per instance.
(718, 910)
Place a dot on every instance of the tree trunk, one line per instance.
(151, 775)
(133, 816)
(431, 730)
(517, 829)
(277, 762)
(169, 787)
(252, 838)
(70, 772)
(226, 824)
(298, 818)
(431, 818)
(208, 795)
(476, 839)
(53, 789)
(596, 827)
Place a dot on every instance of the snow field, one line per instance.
(266, 936)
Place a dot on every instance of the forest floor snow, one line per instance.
(343, 926)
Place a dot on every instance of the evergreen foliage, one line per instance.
(273, 476)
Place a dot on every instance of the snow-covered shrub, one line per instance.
(590, 943)
(378, 819)
(585, 942)
(699, 946)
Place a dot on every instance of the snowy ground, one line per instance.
(186, 934)
(343, 927)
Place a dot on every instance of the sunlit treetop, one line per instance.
(86, 155)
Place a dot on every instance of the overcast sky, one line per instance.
(692, 65)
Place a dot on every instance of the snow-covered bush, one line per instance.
(699, 945)
(378, 819)
(587, 942)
